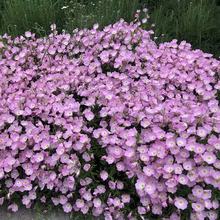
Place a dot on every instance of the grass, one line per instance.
(196, 21)
(81, 14)
(19, 16)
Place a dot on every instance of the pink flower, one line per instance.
(198, 207)
(188, 165)
(170, 142)
(11, 161)
(157, 210)
(201, 132)
(52, 50)
(181, 142)
(26, 200)
(28, 34)
(199, 149)
(180, 203)
(140, 184)
(116, 152)
(198, 191)
(129, 152)
(80, 203)
(63, 200)
(169, 168)
(97, 202)
(67, 207)
(182, 179)
(87, 196)
(83, 139)
(212, 215)
(85, 209)
(87, 167)
(13, 207)
(209, 157)
(112, 185)
(80, 109)
(150, 188)
(145, 123)
(60, 150)
(141, 210)
(130, 141)
(104, 175)
(39, 157)
(120, 185)
(89, 115)
(174, 216)
(45, 144)
(126, 198)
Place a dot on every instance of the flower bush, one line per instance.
(108, 123)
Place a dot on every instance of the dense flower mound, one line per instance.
(107, 122)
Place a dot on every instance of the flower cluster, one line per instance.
(109, 123)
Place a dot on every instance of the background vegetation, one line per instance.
(196, 21)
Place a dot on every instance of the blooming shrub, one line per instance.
(107, 122)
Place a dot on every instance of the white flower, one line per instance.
(65, 7)
(95, 26)
(53, 27)
(144, 20)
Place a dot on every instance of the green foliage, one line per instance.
(19, 16)
(81, 13)
(196, 21)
